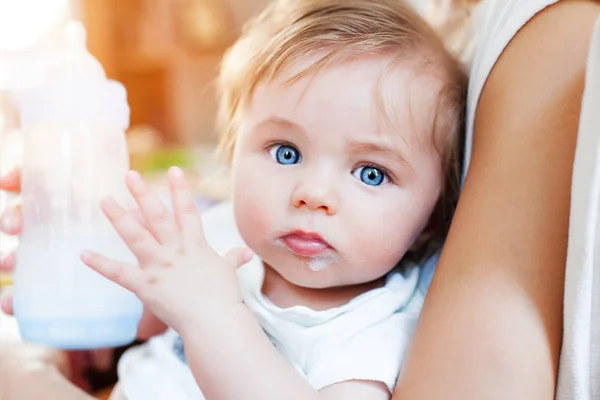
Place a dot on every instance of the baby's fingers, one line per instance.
(141, 242)
(239, 256)
(160, 222)
(126, 275)
(186, 213)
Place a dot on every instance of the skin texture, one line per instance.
(491, 327)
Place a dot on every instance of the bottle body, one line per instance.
(58, 300)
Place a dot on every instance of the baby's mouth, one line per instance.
(305, 244)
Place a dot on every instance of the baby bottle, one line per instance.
(74, 154)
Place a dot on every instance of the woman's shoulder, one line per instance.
(493, 26)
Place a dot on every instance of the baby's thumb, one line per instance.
(239, 256)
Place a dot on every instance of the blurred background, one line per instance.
(165, 52)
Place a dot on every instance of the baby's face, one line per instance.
(326, 190)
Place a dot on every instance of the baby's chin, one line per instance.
(315, 273)
(303, 273)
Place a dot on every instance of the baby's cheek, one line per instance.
(250, 218)
(250, 178)
(385, 249)
(381, 243)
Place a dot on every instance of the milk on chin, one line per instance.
(317, 263)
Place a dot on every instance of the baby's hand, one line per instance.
(181, 278)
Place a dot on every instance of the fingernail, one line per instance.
(86, 256)
(248, 254)
(134, 176)
(107, 203)
(176, 172)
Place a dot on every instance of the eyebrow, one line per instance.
(382, 148)
(282, 122)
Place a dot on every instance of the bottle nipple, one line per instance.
(73, 60)
(75, 36)
(76, 89)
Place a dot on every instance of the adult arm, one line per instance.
(491, 327)
(29, 372)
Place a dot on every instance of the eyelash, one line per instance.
(389, 175)
(274, 143)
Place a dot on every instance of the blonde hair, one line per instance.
(288, 30)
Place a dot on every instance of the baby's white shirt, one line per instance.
(364, 339)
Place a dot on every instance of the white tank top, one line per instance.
(494, 24)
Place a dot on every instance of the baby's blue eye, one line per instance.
(285, 154)
(370, 175)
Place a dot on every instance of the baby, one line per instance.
(343, 122)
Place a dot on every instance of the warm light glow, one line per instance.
(23, 22)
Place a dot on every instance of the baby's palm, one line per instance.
(179, 275)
